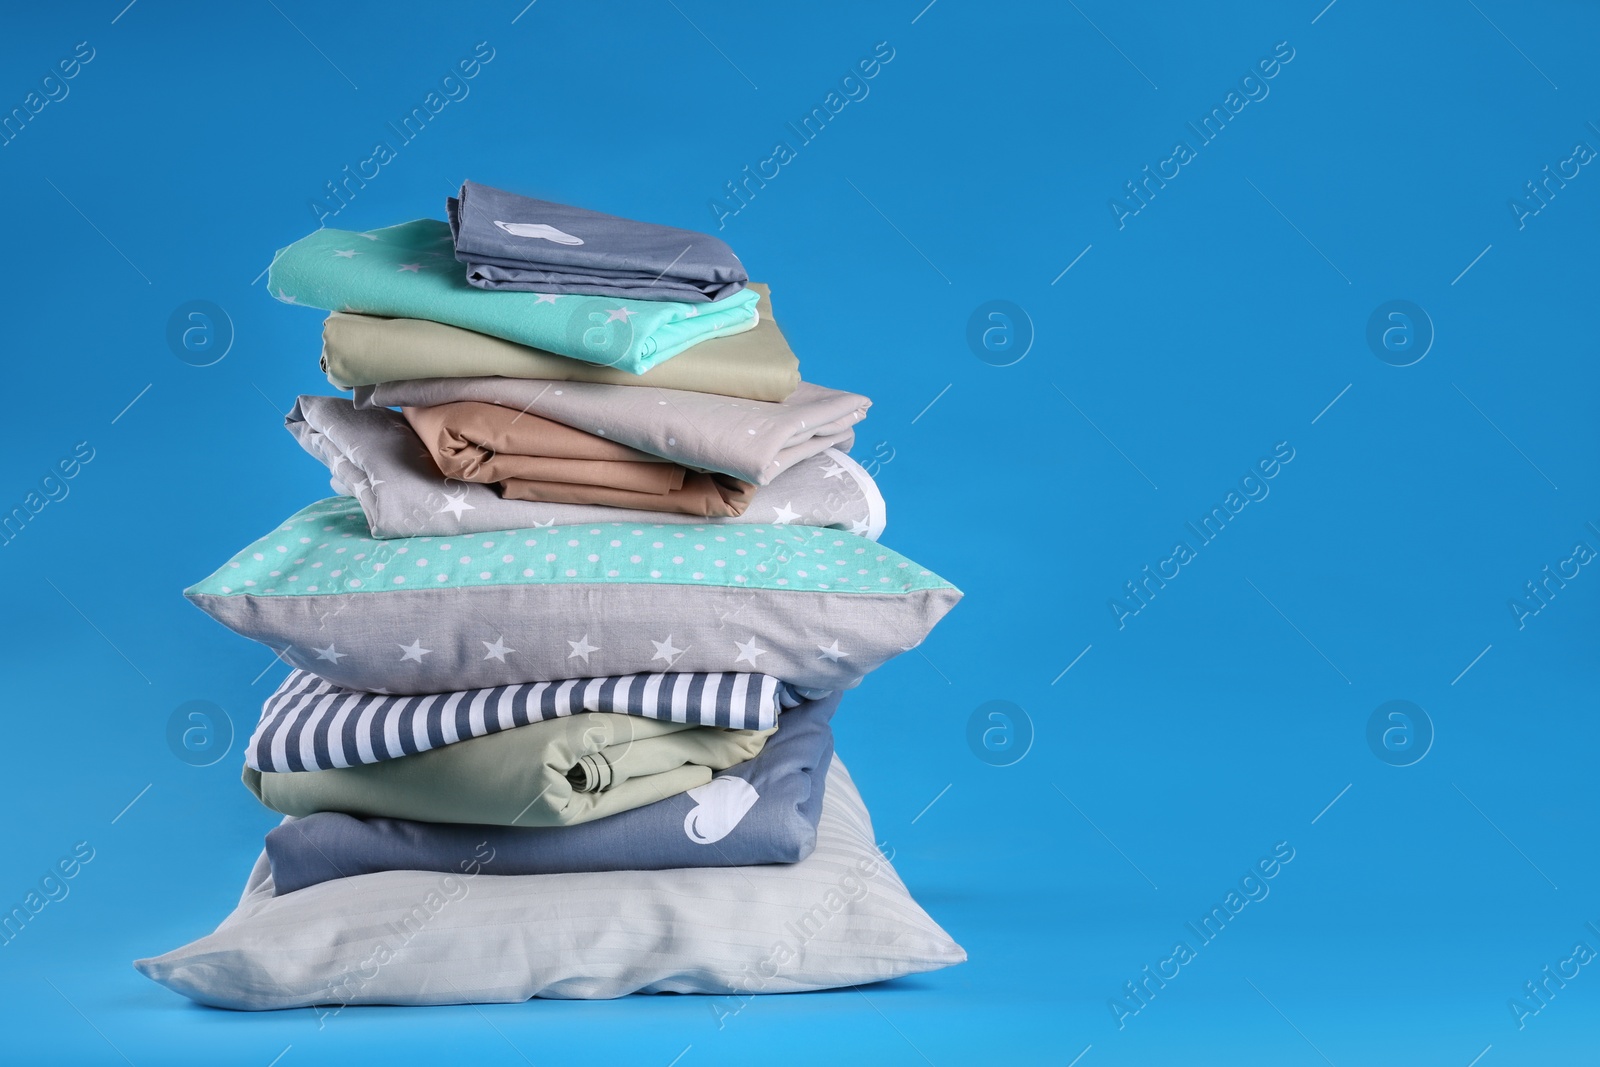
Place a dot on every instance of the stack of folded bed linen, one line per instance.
(567, 641)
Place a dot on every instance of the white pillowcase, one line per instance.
(840, 917)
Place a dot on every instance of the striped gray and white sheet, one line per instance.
(310, 724)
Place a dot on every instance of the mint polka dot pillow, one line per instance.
(815, 607)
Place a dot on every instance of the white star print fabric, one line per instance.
(373, 455)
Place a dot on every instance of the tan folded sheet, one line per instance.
(533, 458)
(367, 350)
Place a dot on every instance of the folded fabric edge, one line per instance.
(877, 507)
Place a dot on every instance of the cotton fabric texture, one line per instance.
(748, 439)
(310, 724)
(558, 772)
(529, 457)
(407, 271)
(756, 364)
(764, 810)
(840, 917)
(373, 455)
(816, 608)
(512, 242)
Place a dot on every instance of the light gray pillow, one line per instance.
(840, 917)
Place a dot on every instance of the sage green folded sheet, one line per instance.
(757, 364)
(408, 271)
(559, 772)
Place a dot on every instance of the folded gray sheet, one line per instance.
(753, 440)
(374, 456)
(764, 810)
(515, 242)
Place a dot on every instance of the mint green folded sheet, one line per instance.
(410, 271)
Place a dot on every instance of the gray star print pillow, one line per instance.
(817, 608)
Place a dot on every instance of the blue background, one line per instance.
(1221, 319)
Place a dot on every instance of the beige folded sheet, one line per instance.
(367, 350)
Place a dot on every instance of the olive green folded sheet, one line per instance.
(558, 772)
(368, 350)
